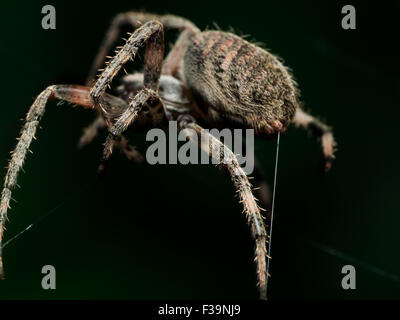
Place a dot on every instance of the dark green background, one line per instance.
(176, 231)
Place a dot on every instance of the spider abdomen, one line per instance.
(240, 80)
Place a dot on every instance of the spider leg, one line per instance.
(152, 35)
(261, 187)
(144, 96)
(135, 19)
(173, 61)
(71, 93)
(227, 158)
(129, 151)
(319, 130)
(91, 132)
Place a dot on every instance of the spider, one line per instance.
(208, 78)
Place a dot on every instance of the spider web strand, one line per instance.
(272, 212)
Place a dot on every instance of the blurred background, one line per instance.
(177, 232)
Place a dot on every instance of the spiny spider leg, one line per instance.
(261, 187)
(152, 35)
(123, 122)
(135, 19)
(129, 151)
(319, 130)
(70, 93)
(215, 148)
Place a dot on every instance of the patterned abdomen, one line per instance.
(240, 80)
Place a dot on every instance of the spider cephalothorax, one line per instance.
(213, 78)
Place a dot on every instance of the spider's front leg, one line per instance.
(145, 96)
(71, 93)
(216, 149)
(150, 34)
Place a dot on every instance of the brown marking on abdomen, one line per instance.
(240, 80)
(210, 43)
(245, 57)
(230, 56)
(224, 46)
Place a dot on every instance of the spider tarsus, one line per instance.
(108, 146)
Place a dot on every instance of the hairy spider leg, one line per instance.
(215, 148)
(150, 34)
(171, 64)
(71, 93)
(123, 122)
(319, 130)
